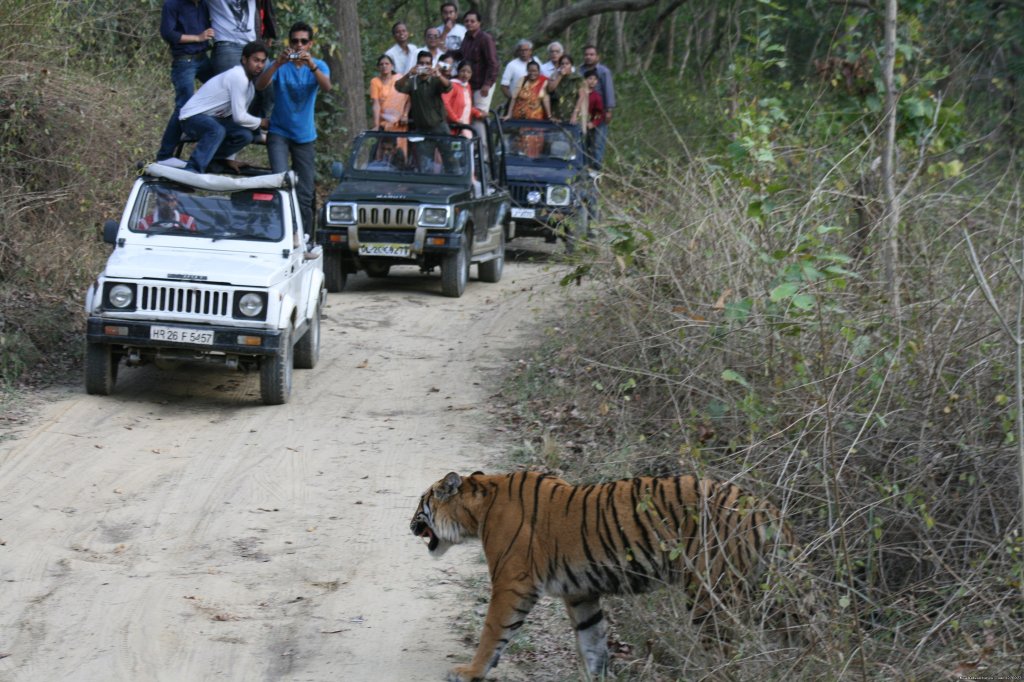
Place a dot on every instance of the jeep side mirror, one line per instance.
(110, 231)
(337, 170)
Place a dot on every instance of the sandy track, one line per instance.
(179, 530)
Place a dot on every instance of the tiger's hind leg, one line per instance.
(591, 634)
(505, 615)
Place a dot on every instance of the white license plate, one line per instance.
(524, 213)
(202, 337)
(394, 250)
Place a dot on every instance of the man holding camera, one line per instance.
(425, 84)
(217, 115)
(297, 78)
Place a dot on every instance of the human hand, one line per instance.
(206, 35)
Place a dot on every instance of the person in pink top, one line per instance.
(458, 102)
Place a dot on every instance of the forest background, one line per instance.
(809, 270)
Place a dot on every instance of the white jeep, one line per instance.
(207, 268)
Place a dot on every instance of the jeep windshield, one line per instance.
(429, 158)
(531, 142)
(251, 214)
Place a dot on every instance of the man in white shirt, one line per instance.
(434, 46)
(516, 68)
(555, 52)
(402, 53)
(217, 115)
(452, 32)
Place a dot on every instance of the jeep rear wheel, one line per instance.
(334, 272)
(490, 271)
(307, 349)
(276, 372)
(100, 368)
(455, 270)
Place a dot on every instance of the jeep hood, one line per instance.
(546, 175)
(220, 267)
(390, 190)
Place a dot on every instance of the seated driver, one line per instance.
(167, 213)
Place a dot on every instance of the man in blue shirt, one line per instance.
(185, 26)
(297, 79)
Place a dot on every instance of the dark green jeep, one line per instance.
(424, 200)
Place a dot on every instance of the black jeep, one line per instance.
(553, 193)
(415, 199)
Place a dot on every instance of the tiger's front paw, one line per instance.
(464, 673)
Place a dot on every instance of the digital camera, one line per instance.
(295, 55)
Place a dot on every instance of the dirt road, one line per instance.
(179, 530)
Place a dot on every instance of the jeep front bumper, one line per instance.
(157, 334)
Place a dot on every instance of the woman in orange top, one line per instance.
(530, 99)
(458, 102)
(390, 107)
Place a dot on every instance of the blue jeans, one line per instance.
(303, 155)
(218, 138)
(596, 141)
(184, 73)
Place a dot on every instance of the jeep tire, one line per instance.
(377, 269)
(100, 368)
(307, 349)
(490, 271)
(334, 271)
(276, 372)
(455, 269)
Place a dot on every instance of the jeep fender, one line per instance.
(286, 312)
(316, 288)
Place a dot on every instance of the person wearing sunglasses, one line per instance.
(297, 78)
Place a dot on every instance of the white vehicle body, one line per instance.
(207, 268)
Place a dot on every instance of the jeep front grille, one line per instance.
(383, 215)
(169, 298)
(520, 190)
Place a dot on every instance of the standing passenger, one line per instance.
(185, 26)
(452, 32)
(297, 77)
(390, 107)
(402, 53)
(479, 50)
(606, 88)
(555, 52)
(516, 68)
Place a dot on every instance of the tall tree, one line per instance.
(891, 199)
(348, 67)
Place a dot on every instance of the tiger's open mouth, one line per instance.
(422, 530)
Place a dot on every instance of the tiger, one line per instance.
(544, 536)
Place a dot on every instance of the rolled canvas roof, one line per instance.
(221, 183)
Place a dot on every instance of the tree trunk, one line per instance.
(620, 41)
(594, 30)
(348, 71)
(891, 200)
(556, 22)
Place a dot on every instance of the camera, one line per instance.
(295, 55)
(444, 66)
(422, 69)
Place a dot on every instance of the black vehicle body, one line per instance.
(414, 199)
(553, 192)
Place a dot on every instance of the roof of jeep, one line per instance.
(220, 183)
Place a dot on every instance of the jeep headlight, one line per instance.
(558, 195)
(121, 296)
(341, 213)
(250, 304)
(434, 216)
(533, 197)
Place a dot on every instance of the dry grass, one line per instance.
(887, 443)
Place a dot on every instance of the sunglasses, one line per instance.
(301, 41)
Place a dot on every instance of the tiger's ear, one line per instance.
(448, 486)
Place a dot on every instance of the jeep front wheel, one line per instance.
(307, 349)
(100, 368)
(455, 270)
(276, 372)
(490, 271)
(334, 272)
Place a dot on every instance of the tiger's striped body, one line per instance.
(541, 535)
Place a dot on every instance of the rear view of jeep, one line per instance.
(209, 269)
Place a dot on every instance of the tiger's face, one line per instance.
(435, 519)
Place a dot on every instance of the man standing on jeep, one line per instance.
(606, 88)
(297, 79)
(217, 115)
(425, 84)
